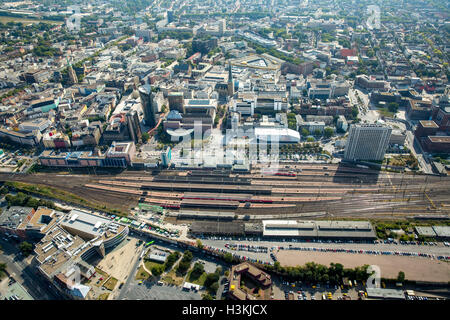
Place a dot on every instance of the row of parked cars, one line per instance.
(374, 252)
(246, 247)
(226, 288)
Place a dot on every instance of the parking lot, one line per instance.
(437, 249)
(150, 290)
(12, 290)
(302, 292)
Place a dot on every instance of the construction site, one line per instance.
(334, 191)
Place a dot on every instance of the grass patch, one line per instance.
(385, 112)
(103, 296)
(150, 264)
(103, 275)
(172, 278)
(111, 283)
(142, 274)
(59, 194)
(200, 280)
(100, 271)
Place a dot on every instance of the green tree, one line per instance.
(214, 287)
(145, 137)
(26, 248)
(393, 107)
(219, 270)
(199, 244)
(305, 132)
(157, 270)
(207, 296)
(228, 257)
(401, 277)
(197, 270)
(211, 278)
(328, 132)
(2, 269)
(171, 259)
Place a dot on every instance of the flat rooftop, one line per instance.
(440, 139)
(16, 217)
(442, 231)
(57, 248)
(428, 124)
(43, 219)
(89, 225)
(425, 231)
(313, 229)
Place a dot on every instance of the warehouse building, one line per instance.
(349, 230)
(438, 232)
(276, 229)
(425, 232)
(442, 232)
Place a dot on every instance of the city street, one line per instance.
(38, 287)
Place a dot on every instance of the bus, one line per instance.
(149, 243)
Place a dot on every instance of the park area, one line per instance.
(417, 269)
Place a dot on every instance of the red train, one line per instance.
(286, 174)
(223, 197)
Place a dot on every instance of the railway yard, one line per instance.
(338, 190)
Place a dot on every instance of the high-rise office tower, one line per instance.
(230, 81)
(73, 79)
(169, 16)
(134, 127)
(367, 142)
(146, 94)
(176, 101)
(222, 26)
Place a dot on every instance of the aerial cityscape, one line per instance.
(225, 150)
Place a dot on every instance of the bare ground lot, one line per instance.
(118, 263)
(419, 269)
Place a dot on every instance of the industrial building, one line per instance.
(350, 230)
(436, 232)
(282, 229)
